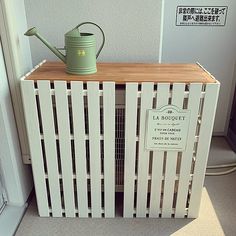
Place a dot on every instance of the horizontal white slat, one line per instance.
(85, 93)
(135, 177)
(103, 211)
(101, 137)
(78, 211)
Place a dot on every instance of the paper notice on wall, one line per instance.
(201, 15)
(167, 128)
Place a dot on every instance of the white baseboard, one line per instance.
(232, 139)
(216, 134)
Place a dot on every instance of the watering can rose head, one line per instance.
(80, 57)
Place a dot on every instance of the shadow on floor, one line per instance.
(222, 193)
(221, 189)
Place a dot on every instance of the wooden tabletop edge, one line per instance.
(157, 73)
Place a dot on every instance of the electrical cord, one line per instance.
(222, 172)
(222, 166)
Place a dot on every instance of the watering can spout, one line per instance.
(33, 32)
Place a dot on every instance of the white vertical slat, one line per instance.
(109, 147)
(65, 146)
(207, 121)
(32, 124)
(130, 147)
(77, 101)
(186, 160)
(94, 147)
(50, 146)
(171, 158)
(162, 99)
(143, 157)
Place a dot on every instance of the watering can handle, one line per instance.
(103, 35)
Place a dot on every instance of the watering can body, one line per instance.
(81, 54)
(80, 48)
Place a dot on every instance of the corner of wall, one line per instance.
(17, 58)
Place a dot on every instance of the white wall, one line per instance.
(16, 26)
(214, 47)
(17, 55)
(16, 176)
(132, 28)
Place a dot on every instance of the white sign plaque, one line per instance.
(167, 128)
(201, 15)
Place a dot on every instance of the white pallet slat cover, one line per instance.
(94, 147)
(143, 154)
(77, 101)
(130, 147)
(162, 99)
(62, 111)
(32, 125)
(207, 122)
(109, 147)
(195, 92)
(50, 146)
(171, 158)
(87, 142)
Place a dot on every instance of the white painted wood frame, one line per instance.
(73, 133)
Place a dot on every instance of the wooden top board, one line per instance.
(127, 72)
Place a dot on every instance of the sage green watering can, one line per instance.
(80, 57)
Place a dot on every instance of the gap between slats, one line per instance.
(101, 137)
